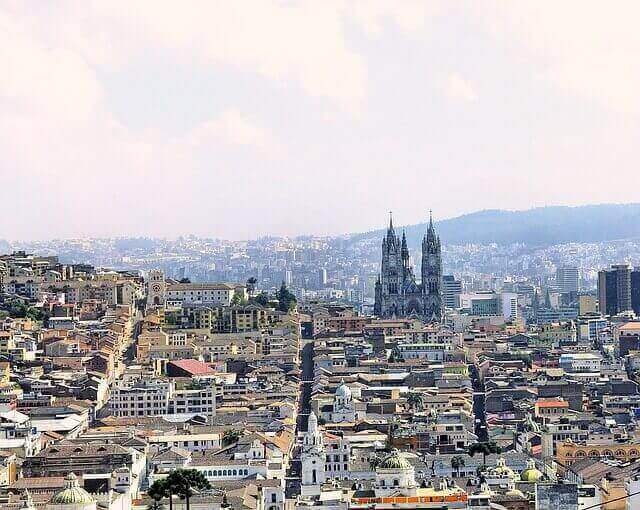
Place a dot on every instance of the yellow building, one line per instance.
(587, 305)
(5, 374)
(570, 452)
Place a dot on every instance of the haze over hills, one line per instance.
(541, 226)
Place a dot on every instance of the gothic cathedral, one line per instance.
(397, 292)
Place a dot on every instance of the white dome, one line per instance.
(343, 391)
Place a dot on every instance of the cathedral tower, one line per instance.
(432, 273)
(397, 293)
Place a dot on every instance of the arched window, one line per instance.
(580, 454)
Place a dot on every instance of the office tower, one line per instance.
(615, 289)
(567, 279)
(509, 305)
(322, 277)
(635, 290)
(451, 290)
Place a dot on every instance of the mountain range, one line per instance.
(541, 226)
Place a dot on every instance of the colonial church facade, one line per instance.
(397, 292)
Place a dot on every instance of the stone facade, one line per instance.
(398, 293)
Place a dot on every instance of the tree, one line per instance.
(251, 284)
(185, 280)
(230, 436)
(395, 356)
(374, 462)
(238, 300)
(286, 300)
(261, 299)
(416, 401)
(456, 463)
(187, 482)
(485, 448)
(158, 491)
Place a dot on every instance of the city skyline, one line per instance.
(159, 121)
(319, 255)
(410, 224)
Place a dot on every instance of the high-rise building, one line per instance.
(510, 305)
(635, 290)
(567, 279)
(322, 277)
(397, 293)
(619, 289)
(451, 290)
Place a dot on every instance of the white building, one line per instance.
(509, 306)
(211, 294)
(567, 279)
(188, 442)
(313, 459)
(581, 362)
(345, 408)
(157, 397)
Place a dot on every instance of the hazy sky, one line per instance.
(236, 119)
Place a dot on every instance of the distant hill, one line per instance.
(541, 226)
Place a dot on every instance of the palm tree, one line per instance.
(416, 401)
(485, 448)
(395, 356)
(187, 482)
(230, 437)
(456, 463)
(374, 462)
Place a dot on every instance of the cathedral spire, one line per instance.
(391, 220)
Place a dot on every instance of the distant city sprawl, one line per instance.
(329, 373)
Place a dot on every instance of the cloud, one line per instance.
(379, 71)
(299, 42)
(233, 128)
(587, 48)
(457, 88)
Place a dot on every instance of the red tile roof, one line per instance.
(193, 366)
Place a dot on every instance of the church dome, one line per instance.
(503, 470)
(343, 391)
(395, 461)
(72, 494)
(532, 473)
